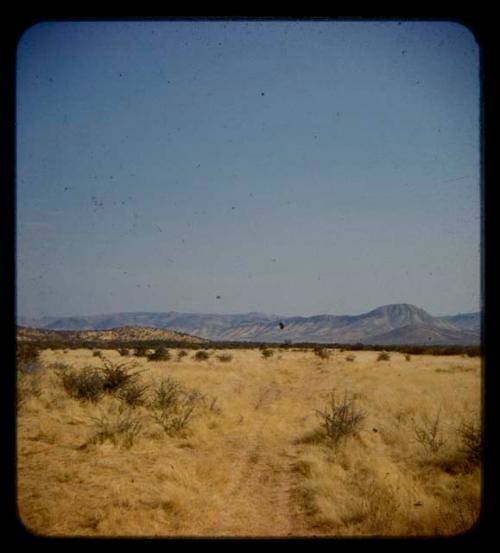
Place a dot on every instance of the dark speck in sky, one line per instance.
(218, 297)
(262, 94)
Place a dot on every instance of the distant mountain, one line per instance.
(390, 324)
(467, 321)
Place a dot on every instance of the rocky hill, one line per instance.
(122, 334)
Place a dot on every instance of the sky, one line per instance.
(285, 167)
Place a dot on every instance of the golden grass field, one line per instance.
(253, 461)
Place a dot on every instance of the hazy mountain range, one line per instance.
(390, 324)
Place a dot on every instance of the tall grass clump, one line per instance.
(120, 427)
(173, 406)
(340, 420)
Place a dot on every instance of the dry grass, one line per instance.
(253, 460)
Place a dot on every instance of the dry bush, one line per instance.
(267, 353)
(84, 385)
(224, 357)
(383, 356)
(27, 357)
(428, 433)
(350, 358)
(341, 420)
(160, 354)
(322, 353)
(124, 352)
(407, 357)
(471, 438)
(201, 355)
(181, 354)
(140, 351)
(173, 406)
(28, 385)
(97, 353)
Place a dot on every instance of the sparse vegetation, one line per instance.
(384, 356)
(201, 355)
(181, 354)
(350, 358)
(224, 357)
(407, 357)
(124, 352)
(150, 455)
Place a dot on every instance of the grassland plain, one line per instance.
(253, 460)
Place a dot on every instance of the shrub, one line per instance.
(383, 356)
(160, 354)
(123, 352)
(322, 353)
(266, 353)
(471, 437)
(428, 433)
(341, 420)
(181, 354)
(224, 357)
(407, 356)
(201, 355)
(350, 358)
(116, 376)
(96, 353)
(84, 385)
(173, 406)
(133, 394)
(27, 357)
(140, 352)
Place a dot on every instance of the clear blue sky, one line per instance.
(287, 167)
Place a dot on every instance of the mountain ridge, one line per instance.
(383, 324)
